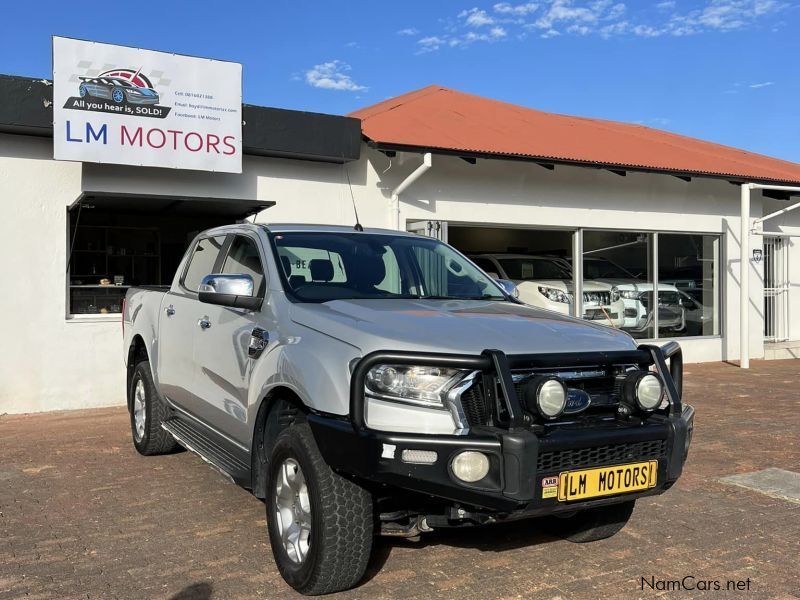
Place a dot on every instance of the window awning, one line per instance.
(232, 208)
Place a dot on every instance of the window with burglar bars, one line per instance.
(776, 289)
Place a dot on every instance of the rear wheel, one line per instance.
(320, 524)
(594, 523)
(148, 412)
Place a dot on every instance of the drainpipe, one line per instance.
(744, 299)
(427, 163)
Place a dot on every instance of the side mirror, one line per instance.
(232, 290)
(509, 287)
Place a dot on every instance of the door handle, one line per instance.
(204, 323)
(169, 310)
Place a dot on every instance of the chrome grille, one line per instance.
(476, 406)
(603, 298)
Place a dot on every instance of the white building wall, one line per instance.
(49, 361)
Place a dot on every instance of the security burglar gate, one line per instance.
(776, 289)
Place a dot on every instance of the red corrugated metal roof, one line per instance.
(439, 118)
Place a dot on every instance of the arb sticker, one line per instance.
(550, 487)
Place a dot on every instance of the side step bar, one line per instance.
(230, 465)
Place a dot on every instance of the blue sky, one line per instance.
(721, 70)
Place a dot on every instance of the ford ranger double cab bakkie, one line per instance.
(373, 382)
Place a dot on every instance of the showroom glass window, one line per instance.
(617, 281)
(115, 244)
(688, 268)
(622, 289)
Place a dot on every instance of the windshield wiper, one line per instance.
(483, 297)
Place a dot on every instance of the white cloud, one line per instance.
(616, 12)
(408, 31)
(507, 20)
(646, 31)
(763, 84)
(476, 17)
(722, 15)
(332, 76)
(578, 29)
(564, 10)
(430, 43)
(516, 10)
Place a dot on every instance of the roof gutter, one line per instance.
(552, 161)
(427, 163)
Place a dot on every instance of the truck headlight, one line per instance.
(629, 294)
(425, 386)
(615, 295)
(554, 295)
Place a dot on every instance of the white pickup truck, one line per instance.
(369, 382)
(546, 282)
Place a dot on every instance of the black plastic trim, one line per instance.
(232, 300)
(27, 109)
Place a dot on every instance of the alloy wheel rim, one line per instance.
(293, 510)
(139, 414)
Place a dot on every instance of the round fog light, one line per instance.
(470, 466)
(649, 391)
(551, 398)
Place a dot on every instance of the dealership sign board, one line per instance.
(114, 104)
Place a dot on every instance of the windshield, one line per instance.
(319, 266)
(599, 268)
(528, 268)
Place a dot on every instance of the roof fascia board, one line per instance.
(684, 175)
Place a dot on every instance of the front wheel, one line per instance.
(593, 524)
(320, 524)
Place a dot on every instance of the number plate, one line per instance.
(607, 481)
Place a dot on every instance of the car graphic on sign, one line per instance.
(117, 90)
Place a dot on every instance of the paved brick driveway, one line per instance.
(83, 516)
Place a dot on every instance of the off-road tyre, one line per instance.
(154, 439)
(342, 522)
(593, 524)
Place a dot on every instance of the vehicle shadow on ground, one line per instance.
(489, 538)
(195, 591)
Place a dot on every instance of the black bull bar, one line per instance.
(497, 363)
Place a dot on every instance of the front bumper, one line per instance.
(519, 460)
(519, 456)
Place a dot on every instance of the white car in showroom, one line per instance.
(545, 282)
(637, 296)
